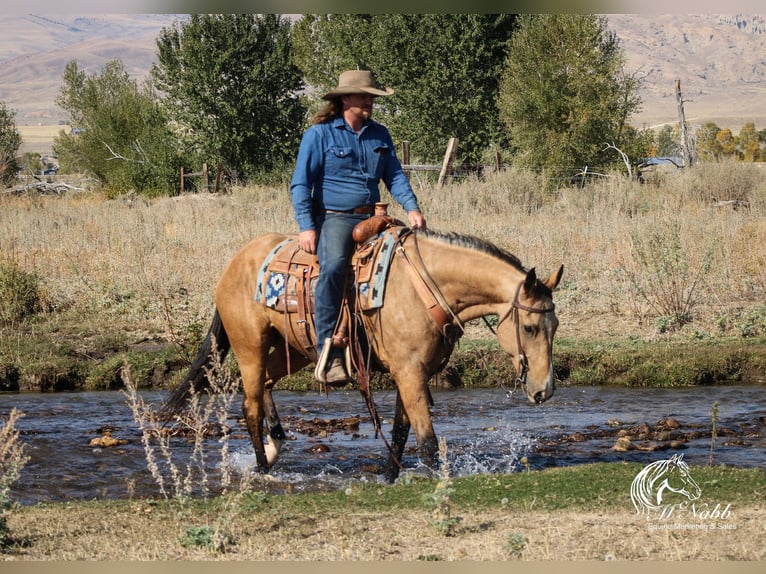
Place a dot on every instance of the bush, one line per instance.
(12, 461)
(19, 293)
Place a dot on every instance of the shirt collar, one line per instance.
(340, 122)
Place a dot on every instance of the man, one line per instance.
(342, 158)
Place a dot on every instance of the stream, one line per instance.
(332, 443)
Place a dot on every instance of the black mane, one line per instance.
(471, 242)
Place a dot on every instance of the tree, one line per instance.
(230, 87)
(10, 141)
(445, 69)
(727, 142)
(748, 144)
(708, 147)
(120, 135)
(668, 143)
(564, 93)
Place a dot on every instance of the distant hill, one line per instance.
(34, 50)
(719, 59)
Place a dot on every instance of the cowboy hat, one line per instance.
(356, 82)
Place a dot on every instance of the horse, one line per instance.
(467, 277)
(659, 478)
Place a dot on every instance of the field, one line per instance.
(571, 514)
(39, 138)
(647, 267)
(664, 277)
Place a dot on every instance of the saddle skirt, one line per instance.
(286, 282)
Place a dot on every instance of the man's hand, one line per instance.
(417, 221)
(307, 240)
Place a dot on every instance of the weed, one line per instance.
(516, 544)
(20, 293)
(753, 323)
(204, 416)
(206, 537)
(666, 280)
(714, 431)
(430, 558)
(12, 461)
(440, 497)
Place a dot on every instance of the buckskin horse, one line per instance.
(436, 282)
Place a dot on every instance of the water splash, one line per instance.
(498, 450)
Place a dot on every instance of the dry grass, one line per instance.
(133, 261)
(143, 531)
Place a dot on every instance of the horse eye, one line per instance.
(528, 330)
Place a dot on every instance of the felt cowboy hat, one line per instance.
(356, 82)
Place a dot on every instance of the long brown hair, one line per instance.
(328, 111)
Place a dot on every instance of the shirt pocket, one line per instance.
(340, 160)
(379, 160)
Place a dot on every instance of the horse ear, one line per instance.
(530, 280)
(554, 279)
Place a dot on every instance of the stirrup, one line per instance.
(322, 361)
(324, 358)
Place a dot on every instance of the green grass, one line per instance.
(581, 487)
(672, 363)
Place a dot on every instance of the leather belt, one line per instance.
(361, 210)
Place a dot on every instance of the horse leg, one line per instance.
(254, 408)
(399, 434)
(276, 368)
(415, 400)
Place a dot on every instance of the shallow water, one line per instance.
(486, 432)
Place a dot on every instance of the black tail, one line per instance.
(197, 379)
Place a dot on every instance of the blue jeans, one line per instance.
(334, 248)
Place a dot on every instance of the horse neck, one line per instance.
(473, 283)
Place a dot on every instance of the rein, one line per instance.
(513, 310)
(448, 322)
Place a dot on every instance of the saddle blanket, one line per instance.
(273, 284)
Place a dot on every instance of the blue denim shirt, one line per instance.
(339, 169)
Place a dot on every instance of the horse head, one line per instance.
(678, 480)
(526, 332)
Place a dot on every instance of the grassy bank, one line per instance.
(557, 514)
(663, 285)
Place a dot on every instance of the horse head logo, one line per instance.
(660, 478)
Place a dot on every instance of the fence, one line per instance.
(205, 178)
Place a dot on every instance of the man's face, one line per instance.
(358, 105)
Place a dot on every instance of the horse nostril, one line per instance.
(540, 397)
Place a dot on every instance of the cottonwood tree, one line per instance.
(445, 69)
(708, 147)
(564, 92)
(231, 90)
(10, 141)
(120, 135)
(748, 143)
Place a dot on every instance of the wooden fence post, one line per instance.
(406, 156)
(182, 180)
(449, 158)
(205, 180)
(218, 176)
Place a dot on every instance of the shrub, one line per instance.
(12, 461)
(19, 293)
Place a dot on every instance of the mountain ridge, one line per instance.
(720, 60)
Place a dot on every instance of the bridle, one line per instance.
(436, 302)
(513, 310)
